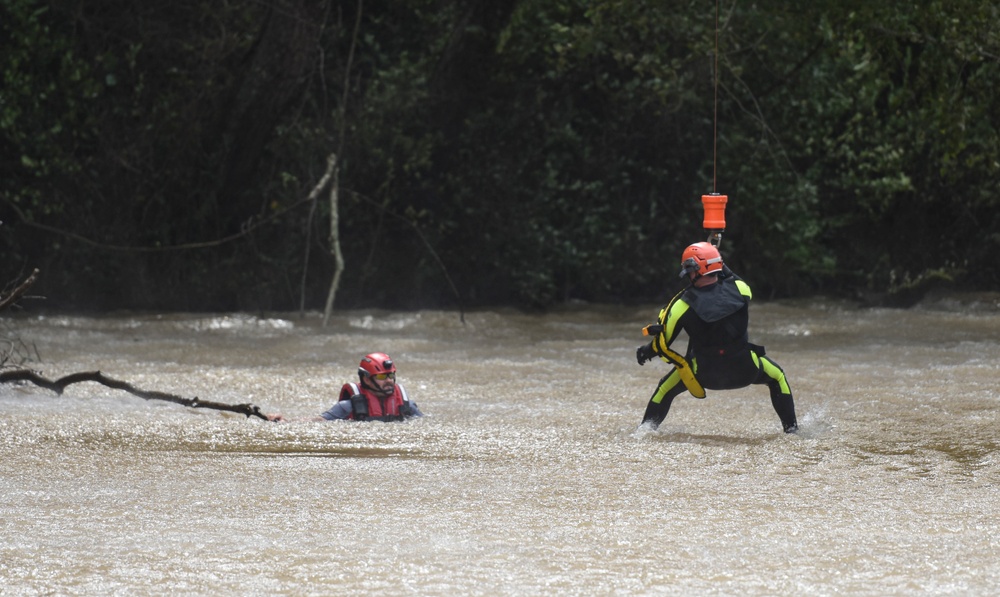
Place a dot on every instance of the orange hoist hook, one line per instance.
(715, 216)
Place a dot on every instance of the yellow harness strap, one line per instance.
(684, 370)
(680, 363)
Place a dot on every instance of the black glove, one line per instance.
(644, 353)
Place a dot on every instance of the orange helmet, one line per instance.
(701, 259)
(376, 363)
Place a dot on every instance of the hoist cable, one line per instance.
(715, 116)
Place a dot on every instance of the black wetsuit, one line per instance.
(715, 318)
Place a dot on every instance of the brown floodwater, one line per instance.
(529, 474)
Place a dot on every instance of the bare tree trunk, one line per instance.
(331, 165)
(338, 255)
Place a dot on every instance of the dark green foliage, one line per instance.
(543, 150)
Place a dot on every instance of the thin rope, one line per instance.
(715, 116)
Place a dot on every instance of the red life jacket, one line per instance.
(380, 408)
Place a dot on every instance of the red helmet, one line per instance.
(374, 364)
(701, 259)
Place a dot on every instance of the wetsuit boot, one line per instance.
(659, 403)
(785, 407)
(656, 412)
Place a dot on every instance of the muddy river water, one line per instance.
(528, 476)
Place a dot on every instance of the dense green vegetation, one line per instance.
(532, 152)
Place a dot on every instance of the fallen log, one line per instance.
(59, 385)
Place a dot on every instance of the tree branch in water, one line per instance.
(59, 385)
(10, 299)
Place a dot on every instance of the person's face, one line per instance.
(705, 280)
(383, 382)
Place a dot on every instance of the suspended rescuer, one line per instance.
(375, 397)
(714, 311)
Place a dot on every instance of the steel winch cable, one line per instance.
(715, 114)
(714, 204)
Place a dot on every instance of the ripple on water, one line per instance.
(529, 475)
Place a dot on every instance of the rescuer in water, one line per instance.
(375, 397)
(714, 311)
